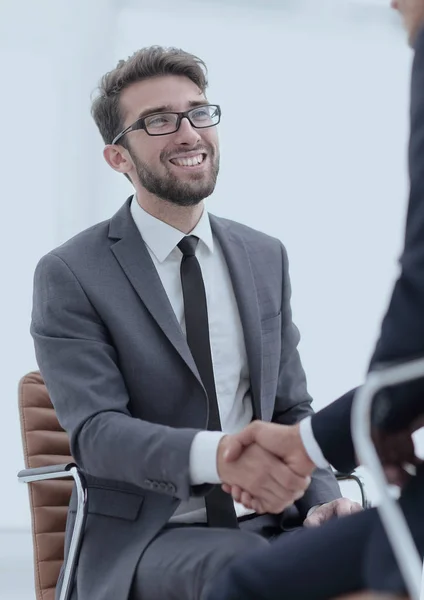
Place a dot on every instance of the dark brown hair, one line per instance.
(143, 64)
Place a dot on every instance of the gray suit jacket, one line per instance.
(127, 391)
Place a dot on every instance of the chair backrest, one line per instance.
(45, 443)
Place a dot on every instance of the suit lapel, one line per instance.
(134, 258)
(241, 274)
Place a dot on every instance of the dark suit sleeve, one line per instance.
(293, 402)
(80, 367)
(331, 428)
(402, 330)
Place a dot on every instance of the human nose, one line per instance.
(187, 134)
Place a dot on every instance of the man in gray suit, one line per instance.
(160, 333)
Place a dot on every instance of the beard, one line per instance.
(170, 188)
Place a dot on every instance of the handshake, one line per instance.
(265, 467)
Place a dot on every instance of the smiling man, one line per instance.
(159, 331)
(181, 168)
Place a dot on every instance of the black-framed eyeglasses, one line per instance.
(165, 123)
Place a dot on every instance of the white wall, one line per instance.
(313, 141)
(51, 56)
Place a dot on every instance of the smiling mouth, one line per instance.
(189, 161)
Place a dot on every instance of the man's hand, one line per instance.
(283, 441)
(261, 475)
(337, 508)
(284, 444)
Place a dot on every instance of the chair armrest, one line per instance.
(357, 479)
(60, 472)
(50, 472)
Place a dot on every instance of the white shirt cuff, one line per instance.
(311, 445)
(203, 455)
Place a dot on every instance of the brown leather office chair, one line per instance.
(49, 466)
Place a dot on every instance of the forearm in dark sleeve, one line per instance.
(80, 369)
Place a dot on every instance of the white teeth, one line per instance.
(188, 162)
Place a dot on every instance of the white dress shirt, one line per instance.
(228, 349)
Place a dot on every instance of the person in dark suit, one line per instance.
(157, 333)
(353, 553)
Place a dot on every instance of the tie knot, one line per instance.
(188, 245)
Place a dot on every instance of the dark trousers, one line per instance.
(345, 555)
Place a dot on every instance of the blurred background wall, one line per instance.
(314, 130)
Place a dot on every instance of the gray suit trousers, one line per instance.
(183, 561)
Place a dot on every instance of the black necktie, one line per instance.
(219, 505)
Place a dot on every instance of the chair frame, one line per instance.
(359, 481)
(393, 519)
(61, 472)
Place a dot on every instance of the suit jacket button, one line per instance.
(155, 485)
(163, 486)
(147, 483)
(171, 488)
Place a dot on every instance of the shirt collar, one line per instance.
(162, 238)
